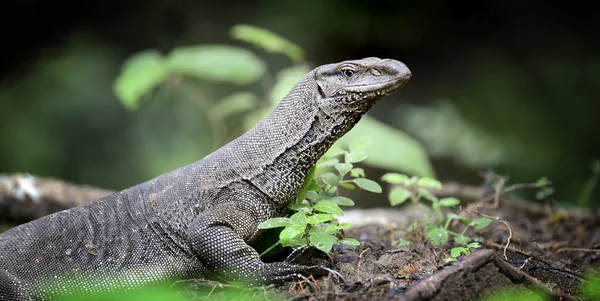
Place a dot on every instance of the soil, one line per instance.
(549, 252)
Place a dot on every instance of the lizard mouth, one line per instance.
(381, 89)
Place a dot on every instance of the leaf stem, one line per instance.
(269, 249)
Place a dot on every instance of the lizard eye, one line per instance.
(347, 72)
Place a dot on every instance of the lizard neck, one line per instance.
(302, 130)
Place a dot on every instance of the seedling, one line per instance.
(458, 251)
(313, 221)
(415, 189)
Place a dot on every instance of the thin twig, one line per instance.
(585, 250)
(506, 223)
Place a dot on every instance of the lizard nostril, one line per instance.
(375, 72)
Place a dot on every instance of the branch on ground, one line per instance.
(24, 197)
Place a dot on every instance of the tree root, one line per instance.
(430, 287)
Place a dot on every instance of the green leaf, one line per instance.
(312, 195)
(591, 287)
(368, 185)
(480, 223)
(328, 163)
(299, 218)
(343, 168)
(456, 252)
(275, 223)
(141, 73)
(462, 219)
(394, 178)
(328, 207)
(542, 182)
(426, 194)
(342, 201)
(306, 184)
(235, 103)
(462, 240)
(331, 229)
(360, 143)
(323, 241)
(449, 202)
(330, 179)
(438, 236)
(290, 233)
(348, 186)
(388, 142)
(429, 183)
(399, 195)
(474, 245)
(350, 241)
(357, 172)
(320, 218)
(356, 156)
(218, 63)
(334, 151)
(344, 226)
(450, 259)
(313, 185)
(402, 243)
(267, 40)
(304, 209)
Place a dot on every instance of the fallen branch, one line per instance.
(430, 287)
(24, 197)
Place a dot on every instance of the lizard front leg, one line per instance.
(218, 238)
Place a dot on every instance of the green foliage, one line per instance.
(141, 73)
(147, 70)
(313, 222)
(545, 190)
(518, 293)
(155, 294)
(458, 251)
(177, 291)
(236, 103)
(584, 198)
(437, 231)
(590, 288)
(4, 227)
(221, 63)
(268, 41)
(388, 142)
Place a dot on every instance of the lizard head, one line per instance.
(357, 84)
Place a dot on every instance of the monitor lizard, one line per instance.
(199, 219)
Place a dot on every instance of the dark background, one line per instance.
(522, 74)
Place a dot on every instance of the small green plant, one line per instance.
(416, 189)
(516, 293)
(456, 252)
(545, 190)
(313, 221)
(585, 195)
(590, 288)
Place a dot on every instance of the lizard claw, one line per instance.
(336, 275)
(309, 256)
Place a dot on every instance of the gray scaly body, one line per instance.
(201, 218)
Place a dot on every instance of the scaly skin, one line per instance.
(199, 219)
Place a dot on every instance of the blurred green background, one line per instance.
(508, 85)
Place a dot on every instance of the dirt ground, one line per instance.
(549, 252)
(539, 248)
